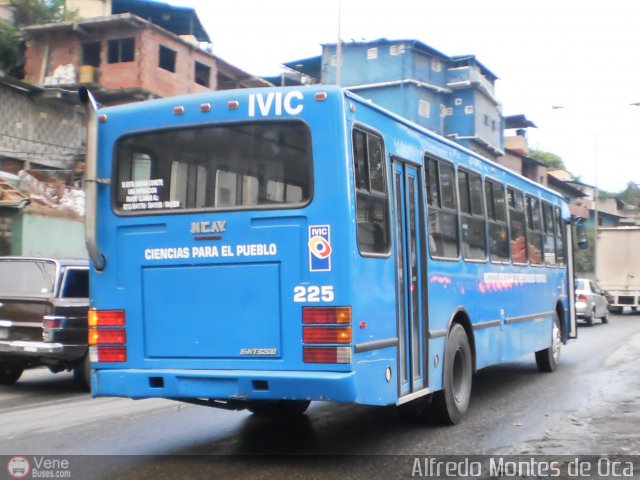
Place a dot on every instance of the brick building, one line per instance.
(124, 58)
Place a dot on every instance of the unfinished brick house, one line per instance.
(124, 57)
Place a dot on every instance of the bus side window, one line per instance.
(371, 193)
(549, 234)
(534, 230)
(442, 212)
(497, 215)
(559, 237)
(474, 237)
(517, 226)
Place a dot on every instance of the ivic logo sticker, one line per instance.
(319, 248)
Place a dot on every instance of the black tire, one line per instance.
(591, 316)
(82, 373)
(615, 309)
(279, 408)
(9, 374)
(605, 317)
(451, 403)
(547, 359)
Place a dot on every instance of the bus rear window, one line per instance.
(226, 167)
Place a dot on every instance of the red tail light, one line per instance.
(326, 354)
(326, 334)
(106, 318)
(315, 315)
(582, 297)
(111, 354)
(52, 322)
(112, 336)
(103, 336)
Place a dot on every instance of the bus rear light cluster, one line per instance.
(328, 329)
(327, 354)
(323, 315)
(326, 334)
(107, 336)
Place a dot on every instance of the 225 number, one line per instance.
(313, 294)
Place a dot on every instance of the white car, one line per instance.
(591, 301)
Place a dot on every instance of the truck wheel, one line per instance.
(9, 374)
(82, 373)
(450, 404)
(547, 359)
(279, 408)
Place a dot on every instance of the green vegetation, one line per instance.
(551, 160)
(26, 13)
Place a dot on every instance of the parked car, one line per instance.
(43, 317)
(591, 301)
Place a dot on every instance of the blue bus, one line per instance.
(264, 248)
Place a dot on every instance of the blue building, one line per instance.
(453, 96)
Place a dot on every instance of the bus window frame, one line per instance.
(519, 191)
(386, 162)
(543, 204)
(539, 232)
(495, 181)
(471, 215)
(427, 156)
(118, 211)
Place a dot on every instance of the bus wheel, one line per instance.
(279, 408)
(547, 359)
(450, 404)
(10, 374)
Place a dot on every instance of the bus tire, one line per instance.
(450, 404)
(10, 373)
(279, 408)
(547, 359)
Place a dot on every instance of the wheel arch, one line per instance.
(461, 316)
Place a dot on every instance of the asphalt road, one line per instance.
(588, 406)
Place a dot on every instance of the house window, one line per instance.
(202, 74)
(396, 49)
(424, 108)
(436, 65)
(91, 54)
(121, 50)
(372, 53)
(167, 59)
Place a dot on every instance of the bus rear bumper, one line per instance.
(225, 384)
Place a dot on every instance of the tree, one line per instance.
(631, 194)
(26, 13)
(551, 160)
(9, 41)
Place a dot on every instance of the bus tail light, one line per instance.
(326, 334)
(327, 354)
(108, 354)
(107, 342)
(112, 336)
(321, 315)
(106, 318)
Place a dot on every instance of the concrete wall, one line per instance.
(44, 132)
(89, 8)
(39, 235)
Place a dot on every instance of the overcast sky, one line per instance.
(582, 55)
